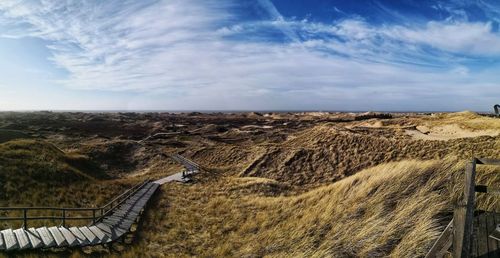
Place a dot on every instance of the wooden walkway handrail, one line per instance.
(462, 223)
(103, 210)
(112, 227)
(113, 223)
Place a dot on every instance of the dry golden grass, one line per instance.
(466, 120)
(325, 154)
(395, 209)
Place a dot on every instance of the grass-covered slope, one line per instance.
(8, 135)
(395, 209)
(328, 152)
(37, 173)
(37, 161)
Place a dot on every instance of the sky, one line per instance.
(344, 55)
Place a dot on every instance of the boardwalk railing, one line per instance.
(65, 213)
(188, 164)
(459, 232)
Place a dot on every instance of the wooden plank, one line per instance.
(121, 213)
(110, 222)
(486, 161)
(118, 218)
(68, 236)
(464, 215)
(128, 215)
(487, 189)
(474, 238)
(496, 233)
(34, 237)
(2, 243)
(115, 219)
(103, 238)
(443, 243)
(458, 225)
(105, 228)
(58, 237)
(80, 237)
(492, 243)
(9, 239)
(126, 225)
(22, 238)
(482, 241)
(47, 238)
(89, 235)
(115, 230)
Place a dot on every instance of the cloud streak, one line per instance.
(183, 49)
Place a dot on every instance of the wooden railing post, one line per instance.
(103, 210)
(463, 215)
(64, 218)
(25, 219)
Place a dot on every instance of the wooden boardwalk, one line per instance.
(108, 229)
(483, 245)
(191, 169)
(471, 233)
(113, 225)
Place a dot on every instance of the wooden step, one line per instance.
(126, 225)
(22, 239)
(58, 237)
(103, 238)
(68, 236)
(89, 235)
(105, 228)
(109, 229)
(34, 237)
(47, 238)
(119, 232)
(9, 239)
(80, 237)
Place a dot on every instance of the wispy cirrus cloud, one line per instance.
(202, 52)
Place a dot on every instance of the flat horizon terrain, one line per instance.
(273, 184)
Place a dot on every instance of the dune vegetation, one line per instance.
(322, 190)
(36, 173)
(395, 209)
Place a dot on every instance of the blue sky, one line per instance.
(249, 55)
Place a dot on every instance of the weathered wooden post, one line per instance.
(463, 215)
(64, 218)
(25, 219)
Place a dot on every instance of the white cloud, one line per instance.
(179, 48)
(465, 38)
